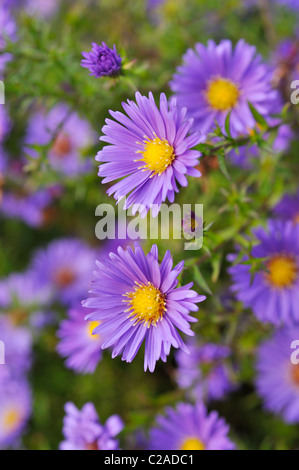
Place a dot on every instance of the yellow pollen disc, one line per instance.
(157, 155)
(296, 219)
(222, 94)
(282, 271)
(90, 327)
(192, 443)
(146, 304)
(11, 419)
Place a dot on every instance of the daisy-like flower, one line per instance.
(136, 299)
(150, 151)
(78, 343)
(83, 431)
(205, 372)
(18, 349)
(273, 293)
(277, 378)
(288, 208)
(15, 410)
(215, 80)
(190, 427)
(102, 61)
(72, 136)
(64, 267)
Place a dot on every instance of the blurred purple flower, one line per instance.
(31, 208)
(22, 291)
(18, 349)
(136, 299)
(78, 343)
(102, 61)
(204, 371)
(288, 208)
(190, 427)
(72, 136)
(277, 379)
(83, 431)
(15, 410)
(42, 9)
(65, 267)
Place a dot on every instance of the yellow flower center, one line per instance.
(192, 443)
(91, 325)
(146, 304)
(11, 419)
(157, 155)
(222, 94)
(282, 271)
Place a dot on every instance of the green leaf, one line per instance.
(227, 125)
(200, 280)
(222, 165)
(257, 116)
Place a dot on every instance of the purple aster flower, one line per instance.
(205, 371)
(277, 378)
(217, 79)
(150, 151)
(72, 135)
(65, 267)
(18, 349)
(83, 431)
(102, 61)
(190, 427)
(31, 208)
(15, 410)
(273, 292)
(136, 299)
(78, 343)
(246, 154)
(288, 208)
